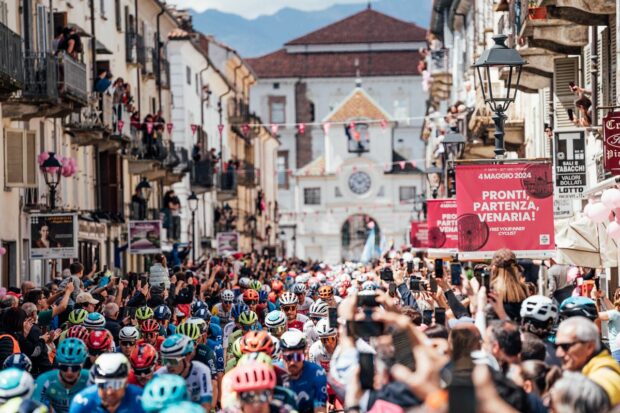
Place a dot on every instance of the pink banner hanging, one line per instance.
(413, 163)
(169, 127)
(120, 125)
(402, 164)
(326, 126)
(274, 128)
(149, 127)
(194, 128)
(220, 128)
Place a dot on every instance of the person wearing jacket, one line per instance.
(158, 273)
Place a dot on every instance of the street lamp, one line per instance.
(52, 169)
(192, 200)
(433, 176)
(499, 57)
(453, 143)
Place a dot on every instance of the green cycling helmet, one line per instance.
(71, 351)
(78, 316)
(144, 313)
(185, 407)
(164, 391)
(256, 285)
(190, 330)
(248, 318)
(236, 348)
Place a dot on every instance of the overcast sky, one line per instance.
(254, 8)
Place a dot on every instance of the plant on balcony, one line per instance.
(535, 12)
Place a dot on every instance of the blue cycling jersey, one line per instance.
(310, 388)
(50, 390)
(216, 333)
(88, 401)
(218, 349)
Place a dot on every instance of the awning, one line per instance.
(101, 48)
(581, 242)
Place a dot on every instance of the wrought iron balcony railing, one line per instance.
(11, 61)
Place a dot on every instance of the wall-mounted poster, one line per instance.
(144, 237)
(53, 236)
(227, 242)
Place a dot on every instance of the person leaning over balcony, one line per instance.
(158, 273)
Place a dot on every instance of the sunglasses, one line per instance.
(287, 308)
(255, 396)
(251, 302)
(94, 352)
(293, 356)
(128, 343)
(112, 384)
(143, 372)
(73, 368)
(247, 328)
(172, 361)
(566, 346)
(227, 302)
(330, 339)
(149, 335)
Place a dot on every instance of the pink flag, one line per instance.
(149, 127)
(413, 164)
(402, 164)
(274, 129)
(220, 128)
(169, 127)
(326, 126)
(302, 128)
(120, 125)
(194, 127)
(383, 123)
(245, 128)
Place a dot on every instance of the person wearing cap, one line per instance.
(86, 301)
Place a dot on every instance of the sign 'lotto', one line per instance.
(505, 206)
(611, 142)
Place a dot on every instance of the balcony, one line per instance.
(122, 130)
(54, 86)
(438, 64)
(238, 111)
(11, 63)
(202, 176)
(146, 154)
(226, 186)
(93, 122)
(176, 164)
(247, 176)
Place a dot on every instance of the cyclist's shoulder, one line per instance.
(47, 377)
(313, 369)
(199, 368)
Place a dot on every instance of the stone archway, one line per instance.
(354, 234)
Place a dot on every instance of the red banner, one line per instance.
(441, 217)
(418, 234)
(611, 142)
(505, 206)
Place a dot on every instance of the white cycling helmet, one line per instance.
(362, 278)
(244, 282)
(275, 318)
(15, 383)
(227, 295)
(539, 308)
(299, 288)
(293, 340)
(129, 333)
(110, 366)
(369, 286)
(324, 330)
(319, 308)
(288, 298)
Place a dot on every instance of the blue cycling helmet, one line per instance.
(15, 383)
(263, 296)
(18, 360)
(95, 321)
(578, 306)
(238, 309)
(215, 320)
(164, 391)
(162, 312)
(71, 351)
(197, 305)
(185, 407)
(203, 313)
(176, 345)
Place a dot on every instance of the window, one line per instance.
(282, 168)
(276, 85)
(4, 14)
(102, 8)
(358, 137)
(197, 85)
(406, 194)
(20, 167)
(277, 106)
(188, 74)
(312, 196)
(117, 15)
(110, 178)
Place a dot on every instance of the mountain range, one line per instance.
(265, 34)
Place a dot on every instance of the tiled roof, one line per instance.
(367, 26)
(314, 168)
(357, 105)
(281, 64)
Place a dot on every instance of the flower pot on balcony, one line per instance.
(537, 13)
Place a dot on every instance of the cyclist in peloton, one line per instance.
(288, 304)
(143, 360)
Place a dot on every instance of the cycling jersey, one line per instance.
(157, 345)
(216, 333)
(304, 307)
(225, 316)
(206, 356)
(319, 355)
(218, 349)
(198, 382)
(50, 390)
(227, 331)
(310, 332)
(310, 388)
(88, 401)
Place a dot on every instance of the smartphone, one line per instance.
(569, 112)
(409, 267)
(392, 289)
(439, 268)
(387, 274)
(415, 284)
(433, 283)
(455, 273)
(402, 350)
(367, 370)
(368, 328)
(427, 317)
(367, 300)
(332, 317)
(462, 396)
(440, 316)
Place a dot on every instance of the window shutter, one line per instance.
(546, 99)
(586, 67)
(566, 70)
(613, 99)
(30, 157)
(42, 28)
(603, 67)
(20, 158)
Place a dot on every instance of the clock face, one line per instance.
(359, 182)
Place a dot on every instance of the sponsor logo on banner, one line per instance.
(611, 142)
(505, 206)
(569, 158)
(442, 230)
(53, 236)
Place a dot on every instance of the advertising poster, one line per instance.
(569, 158)
(144, 237)
(505, 206)
(442, 230)
(611, 142)
(53, 236)
(418, 234)
(227, 243)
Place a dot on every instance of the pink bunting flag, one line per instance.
(413, 163)
(194, 128)
(274, 129)
(120, 125)
(383, 123)
(169, 127)
(149, 127)
(302, 128)
(402, 164)
(220, 128)
(326, 126)
(245, 128)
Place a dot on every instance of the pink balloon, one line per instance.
(598, 212)
(43, 157)
(586, 209)
(611, 197)
(2, 250)
(613, 230)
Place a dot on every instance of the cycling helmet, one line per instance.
(129, 333)
(578, 306)
(143, 356)
(162, 312)
(369, 286)
(321, 278)
(275, 318)
(197, 321)
(288, 298)
(15, 383)
(144, 313)
(326, 292)
(256, 341)
(319, 308)
(277, 286)
(299, 288)
(237, 309)
(95, 321)
(149, 326)
(227, 296)
(20, 361)
(100, 340)
(163, 391)
(252, 357)
(293, 340)
(71, 351)
(250, 295)
(244, 282)
(236, 348)
(539, 308)
(190, 330)
(324, 330)
(203, 314)
(21, 405)
(78, 331)
(248, 318)
(77, 316)
(263, 296)
(256, 285)
(185, 407)
(253, 377)
(176, 345)
(110, 366)
(197, 305)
